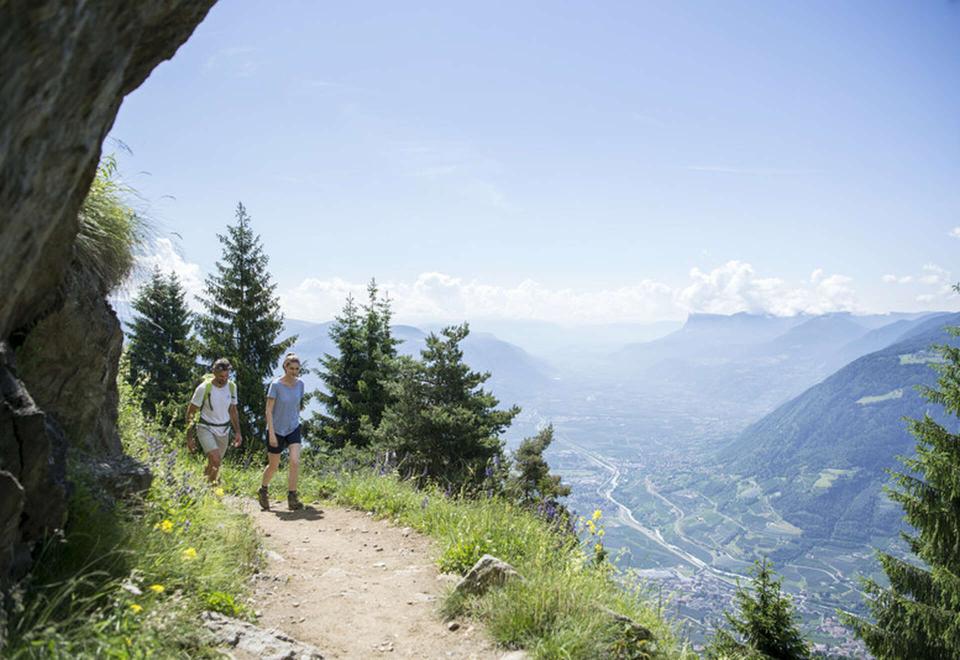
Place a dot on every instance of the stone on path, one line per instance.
(260, 643)
(487, 572)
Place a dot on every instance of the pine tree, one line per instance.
(379, 360)
(532, 485)
(356, 379)
(443, 426)
(161, 352)
(918, 615)
(341, 376)
(766, 626)
(243, 321)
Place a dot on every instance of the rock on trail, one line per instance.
(356, 587)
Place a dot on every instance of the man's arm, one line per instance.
(235, 420)
(191, 438)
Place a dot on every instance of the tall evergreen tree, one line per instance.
(341, 375)
(766, 623)
(161, 352)
(443, 426)
(356, 378)
(918, 615)
(243, 321)
(532, 484)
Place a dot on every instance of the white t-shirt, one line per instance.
(217, 409)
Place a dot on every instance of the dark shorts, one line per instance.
(284, 441)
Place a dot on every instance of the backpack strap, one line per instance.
(209, 387)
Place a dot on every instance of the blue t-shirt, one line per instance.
(286, 408)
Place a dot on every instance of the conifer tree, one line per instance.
(243, 321)
(161, 352)
(766, 623)
(379, 360)
(918, 615)
(341, 375)
(356, 379)
(532, 484)
(443, 426)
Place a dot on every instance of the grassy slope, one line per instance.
(555, 612)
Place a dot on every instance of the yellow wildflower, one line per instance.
(601, 532)
(218, 492)
(156, 588)
(190, 553)
(136, 609)
(591, 527)
(598, 548)
(165, 526)
(597, 514)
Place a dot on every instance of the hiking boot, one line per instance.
(293, 502)
(263, 499)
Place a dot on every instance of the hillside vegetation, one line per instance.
(826, 451)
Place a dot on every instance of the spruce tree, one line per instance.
(443, 426)
(161, 352)
(379, 360)
(243, 321)
(766, 624)
(341, 375)
(532, 485)
(356, 378)
(918, 615)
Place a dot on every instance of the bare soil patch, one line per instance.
(356, 587)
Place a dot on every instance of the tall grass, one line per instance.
(130, 581)
(110, 233)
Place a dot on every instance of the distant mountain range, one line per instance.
(515, 374)
(826, 450)
(744, 365)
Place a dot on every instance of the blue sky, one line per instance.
(565, 161)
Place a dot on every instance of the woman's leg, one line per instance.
(273, 462)
(294, 467)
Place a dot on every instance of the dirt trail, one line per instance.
(356, 587)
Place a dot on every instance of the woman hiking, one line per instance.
(283, 430)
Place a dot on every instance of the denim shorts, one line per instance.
(284, 441)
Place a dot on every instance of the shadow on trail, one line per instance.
(306, 513)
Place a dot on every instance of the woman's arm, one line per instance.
(271, 436)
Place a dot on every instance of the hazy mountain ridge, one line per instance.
(744, 365)
(515, 374)
(826, 450)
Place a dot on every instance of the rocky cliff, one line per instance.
(64, 70)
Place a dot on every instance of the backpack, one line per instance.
(208, 386)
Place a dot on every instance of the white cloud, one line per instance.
(955, 232)
(167, 259)
(930, 275)
(438, 296)
(893, 279)
(733, 287)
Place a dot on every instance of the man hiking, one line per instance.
(216, 399)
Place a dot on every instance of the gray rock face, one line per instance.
(32, 472)
(486, 573)
(116, 477)
(246, 637)
(65, 68)
(69, 364)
